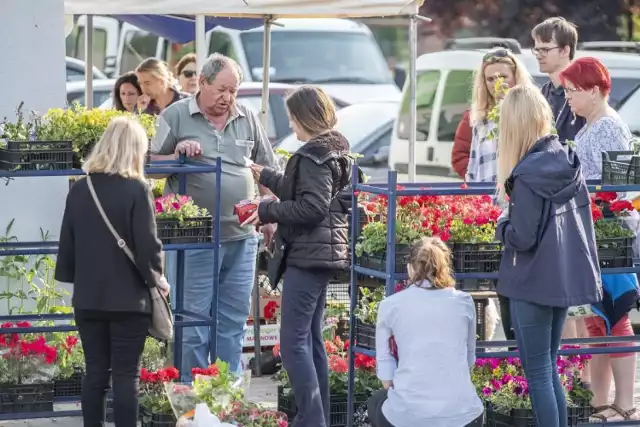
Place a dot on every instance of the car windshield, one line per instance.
(621, 88)
(355, 122)
(310, 57)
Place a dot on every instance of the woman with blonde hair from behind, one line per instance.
(429, 384)
(550, 260)
(111, 294)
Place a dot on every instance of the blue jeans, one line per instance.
(538, 332)
(237, 274)
(302, 347)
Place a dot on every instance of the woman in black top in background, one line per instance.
(126, 92)
(111, 297)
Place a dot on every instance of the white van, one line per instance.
(443, 91)
(106, 36)
(340, 55)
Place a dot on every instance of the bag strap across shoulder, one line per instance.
(120, 241)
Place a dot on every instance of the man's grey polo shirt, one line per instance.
(243, 136)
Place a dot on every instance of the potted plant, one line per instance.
(247, 414)
(614, 240)
(366, 383)
(26, 369)
(180, 220)
(70, 365)
(155, 406)
(30, 144)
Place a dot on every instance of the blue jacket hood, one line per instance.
(550, 169)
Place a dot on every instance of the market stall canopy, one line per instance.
(182, 28)
(246, 8)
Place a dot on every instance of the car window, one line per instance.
(99, 47)
(74, 74)
(455, 101)
(621, 89)
(383, 140)
(310, 57)
(255, 103)
(427, 84)
(138, 46)
(221, 43)
(99, 97)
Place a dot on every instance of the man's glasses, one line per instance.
(543, 51)
(188, 73)
(496, 55)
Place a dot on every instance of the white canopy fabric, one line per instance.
(247, 8)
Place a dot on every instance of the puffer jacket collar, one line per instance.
(326, 146)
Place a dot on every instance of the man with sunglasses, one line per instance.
(555, 41)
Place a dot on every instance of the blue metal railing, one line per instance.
(391, 190)
(183, 318)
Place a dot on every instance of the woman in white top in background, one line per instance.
(434, 327)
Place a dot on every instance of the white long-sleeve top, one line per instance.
(435, 331)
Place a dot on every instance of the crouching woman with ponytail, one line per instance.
(434, 328)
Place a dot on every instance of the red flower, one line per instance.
(210, 371)
(620, 205)
(362, 361)
(338, 364)
(330, 347)
(270, 309)
(607, 197)
(596, 213)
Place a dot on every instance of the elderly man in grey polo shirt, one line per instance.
(206, 126)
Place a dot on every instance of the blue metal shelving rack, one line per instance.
(390, 276)
(183, 318)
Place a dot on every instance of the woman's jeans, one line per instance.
(538, 332)
(113, 343)
(302, 346)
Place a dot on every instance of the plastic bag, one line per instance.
(202, 418)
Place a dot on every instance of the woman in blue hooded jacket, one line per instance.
(550, 260)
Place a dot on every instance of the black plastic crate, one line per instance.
(620, 167)
(579, 413)
(191, 230)
(365, 335)
(378, 262)
(26, 398)
(524, 417)
(148, 419)
(68, 387)
(615, 252)
(481, 318)
(36, 155)
(338, 414)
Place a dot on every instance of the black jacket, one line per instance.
(312, 210)
(88, 255)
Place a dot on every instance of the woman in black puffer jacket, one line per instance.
(311, 214)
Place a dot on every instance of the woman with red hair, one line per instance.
(587, 85)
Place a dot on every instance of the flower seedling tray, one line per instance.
(36, 155)
(524, 417)
(338, 414)
(68, 387)
(620, 168)
(615, 252)
(191, 230)
(148, 419)
(365, 335)
(26, 398)
(476, 258)
(378, 262)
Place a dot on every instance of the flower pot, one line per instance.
(616, 252)
(26, 398)
(515, 418)
(365, 335)
(338, 414)
(69, 387)
(36, 155)
(191, 230)
(579, 413)
(148, 419)
(476, 258)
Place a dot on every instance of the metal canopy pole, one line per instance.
(413, 106)
(201, 42)
(266, 75)
(88, 65)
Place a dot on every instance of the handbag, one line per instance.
(161, 317)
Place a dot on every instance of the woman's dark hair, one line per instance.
(184, 61)
(312, 109)
(130, 78)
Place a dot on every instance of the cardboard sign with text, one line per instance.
(269, 336)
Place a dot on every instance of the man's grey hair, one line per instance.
(216, 63)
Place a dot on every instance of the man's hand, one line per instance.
(387, 384)
(164, 287)
(189, 147)
(143, 102)
(256, 170)
(268, 231)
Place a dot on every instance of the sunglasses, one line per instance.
(188, 73)
(496, 55)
